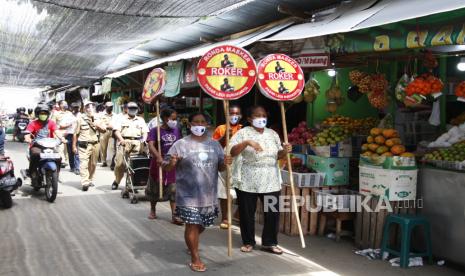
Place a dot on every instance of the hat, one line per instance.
(87, 102)
(76, 104)
(132, 105)
(108, 104)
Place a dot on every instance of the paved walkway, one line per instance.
(98, 233)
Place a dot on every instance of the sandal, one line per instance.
(152, 216)
(272, 249)
(198, 267)
(224, 225)
(177, 221)
(247, 248)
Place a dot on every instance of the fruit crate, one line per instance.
(336, 199)
(447, 165)
(304, 180)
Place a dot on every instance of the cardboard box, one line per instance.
(341, 149)
(336, 170)
(303, 180)
(301, 156)
(396, 185)
(386, 162)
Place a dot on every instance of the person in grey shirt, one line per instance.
(197, 159)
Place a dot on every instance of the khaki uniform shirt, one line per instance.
(106, 119)
(60, 118)
(85, 132)
(132, 127)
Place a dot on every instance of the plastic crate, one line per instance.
(336, 199)
(448, 165)
(304, 180)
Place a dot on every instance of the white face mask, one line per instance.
(198, 130)
(234, 119)
(132, 112)
(259, 122)
(172, 123)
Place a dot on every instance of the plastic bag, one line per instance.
(435, 118)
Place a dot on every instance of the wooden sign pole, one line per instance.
(291, 178)
(228, 177)
(160, 171)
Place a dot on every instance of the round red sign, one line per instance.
(280, 77)
(154, 85)
(226, 72)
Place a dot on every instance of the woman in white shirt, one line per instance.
(260, 149)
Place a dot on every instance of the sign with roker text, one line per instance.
(226, 72)
(154, 85)
(280, 77)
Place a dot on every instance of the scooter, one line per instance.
(8, 182)
(47, 173)
(21, 125)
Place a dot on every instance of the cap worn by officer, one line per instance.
(87, 102)
(76, 104)
(109, 104)
(132, 105)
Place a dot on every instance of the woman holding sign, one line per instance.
(197, 159)
(260, 148)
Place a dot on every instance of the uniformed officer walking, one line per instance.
(86, 141)
(130, 133)
(106, 120)
(60, 116)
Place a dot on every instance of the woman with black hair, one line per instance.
(259, 148)
(169, 134)
(197, 159)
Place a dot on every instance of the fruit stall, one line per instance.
(385, 123)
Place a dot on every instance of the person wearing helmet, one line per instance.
(20, 116)
(29, 112)
(42, 127)
(129, 133)
(86, 144)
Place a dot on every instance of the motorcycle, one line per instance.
(8, 182)
(48, 169)
(21, 125)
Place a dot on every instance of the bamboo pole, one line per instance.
(291, 178)
(160, 171)
(228, 177)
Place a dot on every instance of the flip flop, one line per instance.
(152, 216)
(272, 249)
(224, 225)
(246, 248)
(198, 268)
(177, 221)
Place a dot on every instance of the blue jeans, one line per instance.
(73, 158)
(2, 140)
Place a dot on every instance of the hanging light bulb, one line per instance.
(461, 65)
(331, 73)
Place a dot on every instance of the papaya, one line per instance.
(367, 153)
(387, 154)
(398, 149)
(407, 154)
(393, 141)
(376, 131)
(390, 133)
(380, 140)
(382, 149)
(364, 147)
(374, 155)
(373, 147)
(370, 139)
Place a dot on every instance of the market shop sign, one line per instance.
(154, 85)
(313, 60)
(226, 72)
(280, 77)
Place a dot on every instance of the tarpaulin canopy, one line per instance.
(358, 15)
(53, 42)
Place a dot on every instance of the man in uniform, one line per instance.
(60, 117)
(106, 120)
(117, 119)
(129, 133)
(85, 141)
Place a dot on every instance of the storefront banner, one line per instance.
(154, 85)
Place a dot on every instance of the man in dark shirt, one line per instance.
(226, 63)
(282, 89)
(278, 68)
(225, 87)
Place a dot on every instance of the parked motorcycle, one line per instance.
(48, 170)
(8, 181)
(20, 127)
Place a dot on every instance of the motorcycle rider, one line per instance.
(21, 114)
(40, 128)
(86, 139)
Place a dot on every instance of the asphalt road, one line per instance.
(99, 233)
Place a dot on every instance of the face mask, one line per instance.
(259, 122)
(198, 130)
(109, 109)
(132, 112)
(65, 107)
(172, 123)
(234, 119)
(43, 117)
